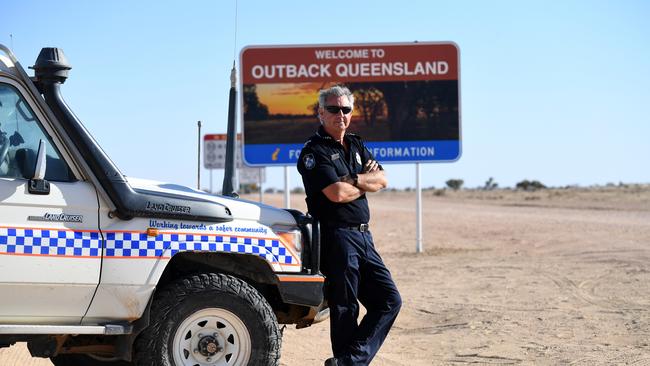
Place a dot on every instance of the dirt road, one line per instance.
(545, 278)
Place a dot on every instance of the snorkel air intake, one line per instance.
(51, 70)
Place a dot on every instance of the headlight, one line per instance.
(291, 238)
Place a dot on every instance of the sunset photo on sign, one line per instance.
(383, 111)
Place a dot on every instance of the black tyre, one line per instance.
(209, 319)
(84, 360)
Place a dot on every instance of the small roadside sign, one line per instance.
(214, 157)
(252, 176)
(214, 151)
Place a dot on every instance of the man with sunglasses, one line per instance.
(337, 170)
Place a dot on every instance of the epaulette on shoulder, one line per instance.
(313, 139)
(357, 139)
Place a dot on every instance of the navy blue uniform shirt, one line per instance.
(323, 161)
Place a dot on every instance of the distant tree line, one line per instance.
(490, 184)
(452, 184)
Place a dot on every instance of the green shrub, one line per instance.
(531, 185)
(490, 184)
(455, 184)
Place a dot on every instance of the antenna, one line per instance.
(234, 47)
(230, 175)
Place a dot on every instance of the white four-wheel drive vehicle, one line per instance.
(98, 269)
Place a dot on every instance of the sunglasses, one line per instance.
(334, 109)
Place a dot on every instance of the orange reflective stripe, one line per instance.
(301, 279)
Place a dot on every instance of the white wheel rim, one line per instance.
(196, 338)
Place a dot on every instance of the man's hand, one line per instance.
(372, 179)
(371, 166)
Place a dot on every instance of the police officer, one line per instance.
(337, 171)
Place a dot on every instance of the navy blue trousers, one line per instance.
(355, 273)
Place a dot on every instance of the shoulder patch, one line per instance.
(309, 161)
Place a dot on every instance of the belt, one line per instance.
(361, 227)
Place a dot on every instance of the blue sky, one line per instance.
(556, 91)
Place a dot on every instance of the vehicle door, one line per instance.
(50, 245)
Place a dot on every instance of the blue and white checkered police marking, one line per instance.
(49, 242)
(128, 244)
(134, 245)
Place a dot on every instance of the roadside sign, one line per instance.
(252, 176)
(407, 99)
(214, 157)
(214, 151)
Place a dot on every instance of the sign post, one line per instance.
(418, 210)
(407, 100)
(198, 159)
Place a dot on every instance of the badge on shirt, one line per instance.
(358, 159)
(309, 161)
(334, 156)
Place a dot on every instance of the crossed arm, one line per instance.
(372, 179)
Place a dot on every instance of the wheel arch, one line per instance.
(250, 268)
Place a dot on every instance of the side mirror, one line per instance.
(38, 184)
